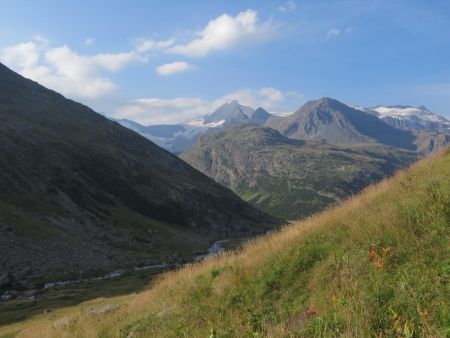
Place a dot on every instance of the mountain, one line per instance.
(80, 194)
(286, 177)
(377, 265)
(162, 130)
(431, 131)
(234, 113)
(333, 122)
(173, 137)
(431, 142)
(412, 118)
(179, 137)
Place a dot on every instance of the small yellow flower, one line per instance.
(334, 298)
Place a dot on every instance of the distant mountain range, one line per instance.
(325, 120)
(292, 166)
(80, 194)
(180, 137)
(333, 122)
(410, 118)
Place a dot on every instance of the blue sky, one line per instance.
(167, 61)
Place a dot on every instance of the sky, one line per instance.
(168, 61)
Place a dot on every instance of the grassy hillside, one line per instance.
(376, 265)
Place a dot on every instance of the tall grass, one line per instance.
(377, 265)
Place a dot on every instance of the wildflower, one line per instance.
(334, 298)
(376, 260)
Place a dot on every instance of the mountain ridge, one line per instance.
(331, 121)
(183, 135)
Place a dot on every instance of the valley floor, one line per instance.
(375, 266)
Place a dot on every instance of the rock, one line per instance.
(6, 280)
(8, 295)
(31, 293)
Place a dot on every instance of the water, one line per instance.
(217, 248)
(114, 274)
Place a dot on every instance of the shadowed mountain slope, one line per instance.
(80, 193)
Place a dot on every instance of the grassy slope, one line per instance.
(376, 265)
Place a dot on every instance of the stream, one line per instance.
(19, 305)
(215, 249)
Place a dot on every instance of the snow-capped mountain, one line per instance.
(230, 114)
(411, 118)
(431, 132)
(179, 137)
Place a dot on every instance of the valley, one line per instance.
(224, 169)
(372, 265)
(59, 294)
(82, 196)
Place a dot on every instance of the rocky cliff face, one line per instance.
(431, 142)
(80, 193)
(290, 178)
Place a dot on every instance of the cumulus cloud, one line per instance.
(173, 68)
(225, 32)
(22, 55)
(287, 7)
(160, 111)
(64, 70)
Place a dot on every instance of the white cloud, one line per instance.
(173, 68)
(89, 41)
(155, 110)
(225, 32)
(287, 7)
(22, 55)
(64, 70)
(145, 45)
(333, 32)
